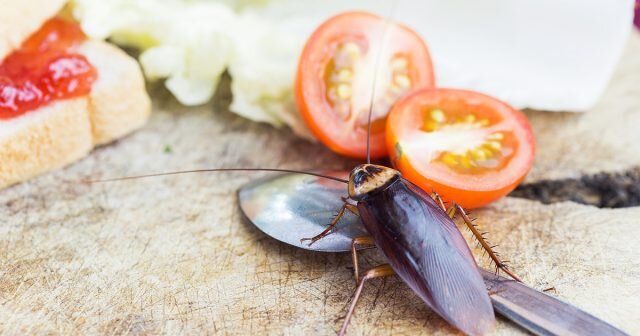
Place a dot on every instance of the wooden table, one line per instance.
(173, 255)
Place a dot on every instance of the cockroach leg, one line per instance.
(346, 206)
(483, 242)
(451, 211)
(334, 222)
(438, 200)
(354, 253)
(352, 208)
(376, 272)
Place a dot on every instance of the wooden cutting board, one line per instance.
(173, 255)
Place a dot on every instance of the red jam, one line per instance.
(43, 70)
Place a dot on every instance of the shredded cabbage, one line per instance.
(190, 43)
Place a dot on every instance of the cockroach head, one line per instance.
(367, 178)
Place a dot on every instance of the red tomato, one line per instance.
(336, 73)
(469, 147)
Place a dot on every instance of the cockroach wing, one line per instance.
(428, 252)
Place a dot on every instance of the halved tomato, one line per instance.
(469, 147)
(336, 75)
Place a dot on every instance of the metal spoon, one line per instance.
(292, 206)
(288, 207)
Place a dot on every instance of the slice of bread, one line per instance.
(64, 131)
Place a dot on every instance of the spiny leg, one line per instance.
(354, 253)
(483, 242)
(438, 200)
(346, 206)
(451, 211)
(376, 272)
(352, 208)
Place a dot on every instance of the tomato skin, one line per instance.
(310, 87)
(469, 199)
(470, 191)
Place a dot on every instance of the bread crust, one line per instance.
(118, 102)
(58, 135)
(62, 132)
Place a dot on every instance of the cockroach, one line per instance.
(305, 200)
(423, 245)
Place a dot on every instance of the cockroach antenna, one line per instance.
(385, 38)
(218, 170)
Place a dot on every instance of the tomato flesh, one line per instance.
(336, 73)
(43, 69)
(470, 148)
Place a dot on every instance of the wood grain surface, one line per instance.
(173, 255)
